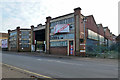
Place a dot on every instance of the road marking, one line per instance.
(59, 61)
(39, 59)
(68, 63)
(51, 60)
(29, 72)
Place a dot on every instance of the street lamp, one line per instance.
(84, 20)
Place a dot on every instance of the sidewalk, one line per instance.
(11, 73)
(8, 72)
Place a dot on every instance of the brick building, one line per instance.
(70, 34)
(19, 39)
(65, 42)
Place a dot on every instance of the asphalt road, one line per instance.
(62, 68)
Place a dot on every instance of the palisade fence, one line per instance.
(102, 51)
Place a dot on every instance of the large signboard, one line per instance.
(4, 43)
(60, 28)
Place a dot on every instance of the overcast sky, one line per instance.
(25, 13)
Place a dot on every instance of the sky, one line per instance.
(25, 13)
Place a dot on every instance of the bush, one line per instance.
(109, 54)
(93, 50)
(102, 51)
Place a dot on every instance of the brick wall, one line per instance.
(91, 24)
(58, 50)
(101, 30)
(107, 33)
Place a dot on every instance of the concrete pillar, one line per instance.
(32, 35)
(9, 40)
(77, 15)
(18, 32)
(47, 34)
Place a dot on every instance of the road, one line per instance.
(62, 68)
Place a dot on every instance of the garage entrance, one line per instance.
(39, 40)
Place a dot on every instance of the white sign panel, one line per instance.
(32, 47)
(4, 43)
(82, 50)
(59, 28)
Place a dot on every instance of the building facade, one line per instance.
(70, 34)
(64, 34)
(19, 39)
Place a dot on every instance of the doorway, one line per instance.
(71, 48)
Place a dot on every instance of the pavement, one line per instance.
(13, 73)
(54, 66)
(9, 72)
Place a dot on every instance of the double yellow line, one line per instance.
(47, 77)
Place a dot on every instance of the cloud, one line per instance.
(12, 23)
(23, 14)
(32, 12)
(21, 0)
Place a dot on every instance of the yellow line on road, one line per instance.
(30, 72)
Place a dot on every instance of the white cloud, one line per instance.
(33, 12)
(21, 14)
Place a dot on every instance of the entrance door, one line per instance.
(71, 48)
(40, 47)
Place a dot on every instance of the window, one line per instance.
(13, 44)
(24, 41)
(101, 38)
(62, 36)
(24, 45)
(13, 33)
(63, 21)
(25, 34)
(70, 20)
(92, 35)
(52, 30)
(71, 27)
(13, 39)
(58, 43)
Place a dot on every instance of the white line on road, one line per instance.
(59, 61)
(39, 59)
